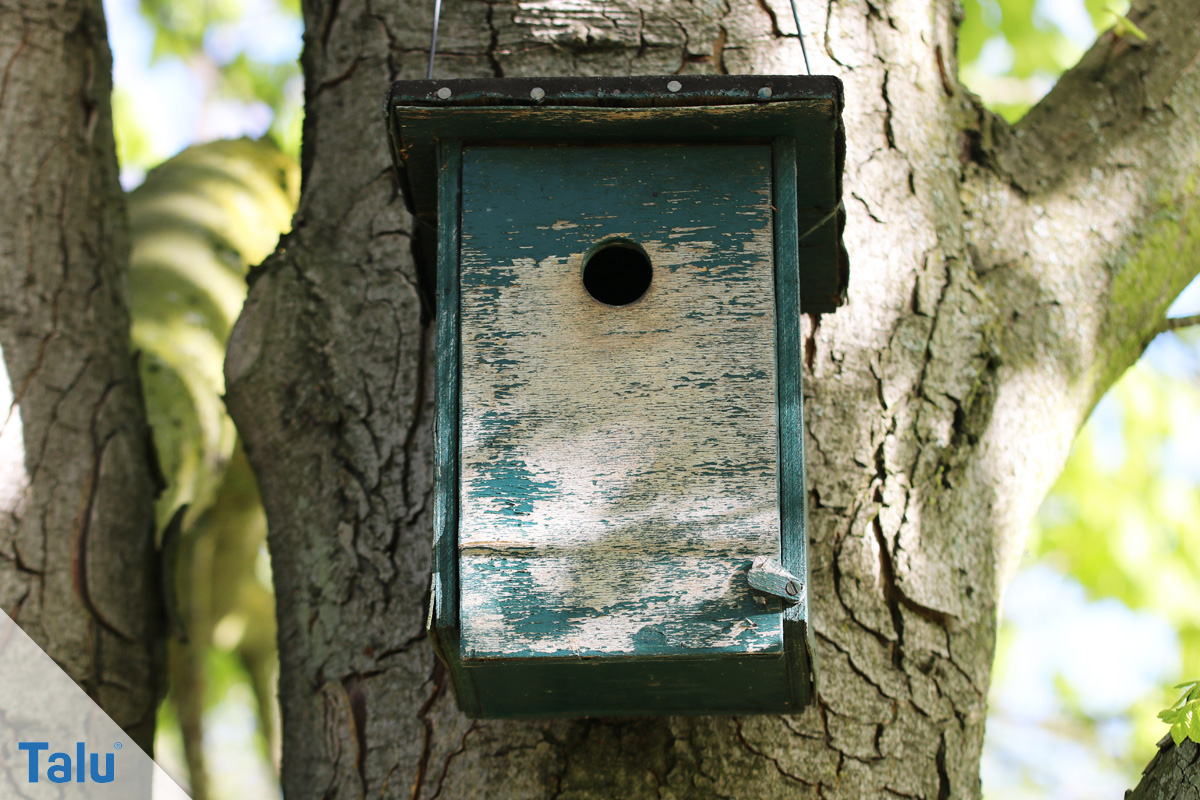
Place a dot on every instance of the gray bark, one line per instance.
(77, 485)
(1001, 279)
(1173, 773)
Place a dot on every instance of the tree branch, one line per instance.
(1106, 104)
(1101, 179)
(1178, 323)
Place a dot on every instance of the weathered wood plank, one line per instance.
(444, 593)
(618, 465)
(724, 684)
(798, 633)
(446, 425)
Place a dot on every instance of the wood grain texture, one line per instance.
(445, 514)
(791, 257)
(768, 576)
(619, 464)
(442, 624)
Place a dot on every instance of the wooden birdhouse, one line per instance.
(621, 265)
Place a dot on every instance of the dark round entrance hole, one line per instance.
(617, 273)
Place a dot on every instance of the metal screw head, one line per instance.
(674, 86)
(444, 92)
(537, 93)
(792, 589)
(764, 93)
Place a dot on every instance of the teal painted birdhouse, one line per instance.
(620, 268)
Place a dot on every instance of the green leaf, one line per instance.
(1102, 11)
(198, 223)
(1184, 715)
(1121, 520)
(179, 25)
(134, 145)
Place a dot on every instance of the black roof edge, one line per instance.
(619, 92)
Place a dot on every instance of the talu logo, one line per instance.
(59, 764)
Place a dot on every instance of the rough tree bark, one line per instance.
(1001, 279)
(1173, 773)
(77, 483)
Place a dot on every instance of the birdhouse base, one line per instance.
(632, 687)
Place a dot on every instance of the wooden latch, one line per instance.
(768, 576)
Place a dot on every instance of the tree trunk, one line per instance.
(77, 482)
(1000, 280)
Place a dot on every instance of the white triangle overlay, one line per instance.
(40, 704)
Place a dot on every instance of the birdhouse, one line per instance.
(620, 269)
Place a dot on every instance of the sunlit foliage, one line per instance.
(1124, 517)
(239, 57)
(1012, 51)
(1184, 715)
(206, 69)
(212, 38)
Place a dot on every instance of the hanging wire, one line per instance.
(821, 224)
(437, 14)
(799, 35)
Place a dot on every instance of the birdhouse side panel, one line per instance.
(619, 464)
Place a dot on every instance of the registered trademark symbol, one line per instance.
(118, 746)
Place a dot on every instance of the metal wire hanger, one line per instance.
(799, 35)
(437, 13)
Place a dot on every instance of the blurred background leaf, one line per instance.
(1124, 517)
(198, 223)
(1012, 51)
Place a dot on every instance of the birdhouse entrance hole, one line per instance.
(617, 273)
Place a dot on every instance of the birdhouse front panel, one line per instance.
(619, 454)
(621, 264)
